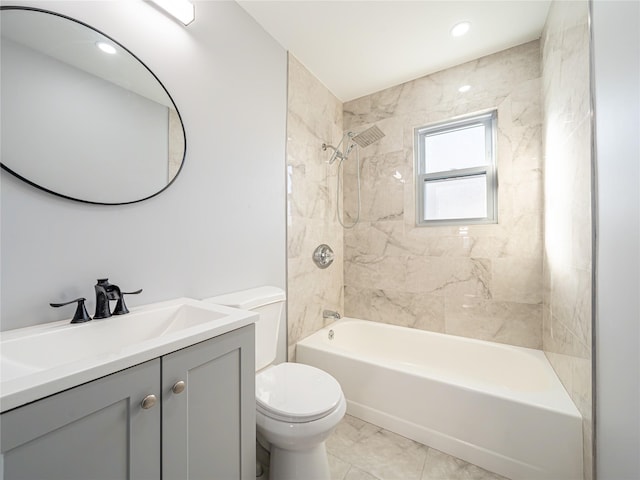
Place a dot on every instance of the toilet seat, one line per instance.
(296, 393)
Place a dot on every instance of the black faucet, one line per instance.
(105, 292)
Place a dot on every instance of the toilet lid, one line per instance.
(296, 393)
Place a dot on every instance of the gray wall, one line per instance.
(616, 49)
(220, 227)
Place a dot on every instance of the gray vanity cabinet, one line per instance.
(203, 428)
(209, 427)
(95, 431)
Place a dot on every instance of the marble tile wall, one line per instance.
(482, 281)
(314, 117)
(567, 264)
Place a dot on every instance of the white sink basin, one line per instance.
(42, 360)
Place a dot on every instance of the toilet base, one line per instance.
(309, 464)
(262, 460)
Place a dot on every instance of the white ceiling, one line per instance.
(360, 47)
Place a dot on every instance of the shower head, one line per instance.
(367, 137)
(362, 139)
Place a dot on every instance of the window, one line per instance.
(456, 173)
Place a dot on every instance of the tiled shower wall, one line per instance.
(314, 117)
(481, 281)
(567, 333)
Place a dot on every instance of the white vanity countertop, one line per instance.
(45, 359)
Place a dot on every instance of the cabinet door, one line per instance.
(208, 430)
(96, 431)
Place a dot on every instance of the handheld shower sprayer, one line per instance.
(362, 139)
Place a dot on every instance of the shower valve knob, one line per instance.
(323, 256)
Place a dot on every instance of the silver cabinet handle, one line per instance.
(148, 402)
(178, 387)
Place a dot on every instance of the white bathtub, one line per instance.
(497, 406)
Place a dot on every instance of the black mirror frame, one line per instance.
(184, 134)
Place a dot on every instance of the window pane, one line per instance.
(455, 149)
(464, 197)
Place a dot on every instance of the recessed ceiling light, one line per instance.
(464, 88)
(106, 47)
(460, 29)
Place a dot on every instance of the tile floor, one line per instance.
(358, 450)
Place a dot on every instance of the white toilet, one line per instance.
(297, 406)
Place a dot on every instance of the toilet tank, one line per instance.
(268, 302)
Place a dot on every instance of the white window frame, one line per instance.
(489, 120)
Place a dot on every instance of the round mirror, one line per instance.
(82, 117)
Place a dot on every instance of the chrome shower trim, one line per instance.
(336, 152)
